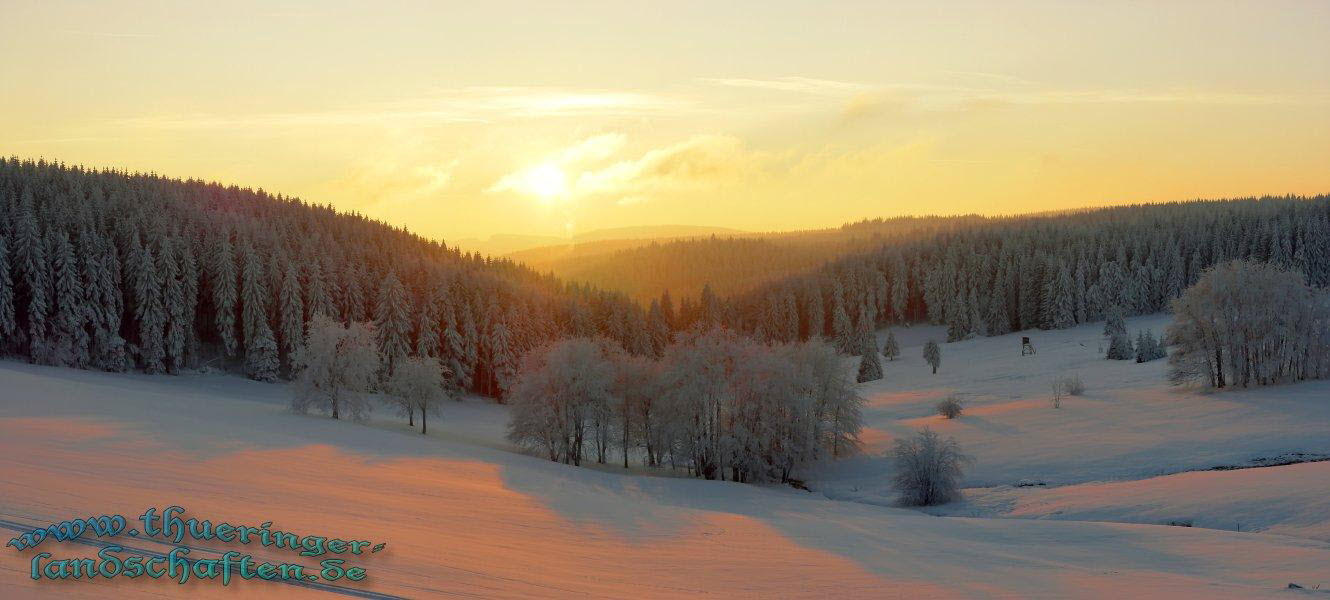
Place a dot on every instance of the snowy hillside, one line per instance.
(464, 515)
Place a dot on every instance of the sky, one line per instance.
(467, 119)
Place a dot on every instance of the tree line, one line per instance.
(117, 271)
(716, 404)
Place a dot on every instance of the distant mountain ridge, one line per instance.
(504, 244)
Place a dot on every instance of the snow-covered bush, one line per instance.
(1059, 389)
(334, 368)
(950, 407)
(933, 354)
(1248, 323)
(1073, 385)
(1120, 348)
(928, 469)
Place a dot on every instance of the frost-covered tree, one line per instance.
(561, 387)
(335, 367)
(1248, 323)
(928, 469)
(890, 348)
(418, 385)
(933, 355)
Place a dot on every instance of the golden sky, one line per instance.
(467, 119)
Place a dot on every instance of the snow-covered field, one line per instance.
(466, 516)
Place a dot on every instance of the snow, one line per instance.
(466, 515)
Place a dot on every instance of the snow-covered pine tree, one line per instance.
(291, 313)
(174, 326)
(148, 309)
(318, 293)
(31, 275)
(222, 278)
(261, 357)
(890, 348)
(8, 326)
(1059, 302)
(392, 321)
(842, 332)
(870, 366)
(658, 329)
(933, 355)
(1120, 348)
(1114, 323)
(503, 362)
(69, 341)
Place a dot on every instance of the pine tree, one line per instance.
(223, 277)
(8, 326)
(318, 296)
(1114, 324)
(69, 337)
(502, 361)
(999, 321)
(1120, 347)
(148, 309)
(174, 326)
(933, 355)
(30, 270)
(291, 313)
(842, 333)
(261, 357)
(392, 321)
(1059, 302)
(870, 367)
(890, 348)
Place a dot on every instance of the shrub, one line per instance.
(928, 469)
(1073, 385)
(951, 407)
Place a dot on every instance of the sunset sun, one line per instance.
(546, 182)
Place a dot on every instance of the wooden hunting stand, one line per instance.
(1026, 346)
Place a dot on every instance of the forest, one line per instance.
(118, 271)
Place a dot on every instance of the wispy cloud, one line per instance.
(109, 34)
(464, 105)
(807, 85)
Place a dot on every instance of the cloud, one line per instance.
(694, 163)
(463, 105)
(807, 85)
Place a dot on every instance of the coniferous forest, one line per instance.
(121, 271)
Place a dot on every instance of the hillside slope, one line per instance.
(465, 515)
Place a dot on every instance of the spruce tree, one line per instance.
(890, 348)
(392, 321)
(222, 279)
(8, 326)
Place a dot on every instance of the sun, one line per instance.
(546, 181)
